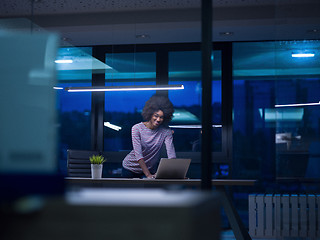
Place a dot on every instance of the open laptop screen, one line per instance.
(175, 168)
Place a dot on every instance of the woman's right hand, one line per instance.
(151, 176)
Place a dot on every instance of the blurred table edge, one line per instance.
(187, 182)
(239, 230)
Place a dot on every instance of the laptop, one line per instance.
(175, 168)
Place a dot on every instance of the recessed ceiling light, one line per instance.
(226, 33)
(142, 36)
(313, 30)
(64, 39)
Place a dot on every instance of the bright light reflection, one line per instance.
(112, 126)
(124, 88)
(297, 104)
(58, 88)
(302, 55)
(193, 126)
(64, 61)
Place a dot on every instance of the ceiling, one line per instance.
(99, 22)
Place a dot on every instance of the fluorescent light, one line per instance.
(297, 104)
(64, 61)
(302, 55)
(193, 126)
(112, 126)
(281, 114)
(124, 88)
(58, 88)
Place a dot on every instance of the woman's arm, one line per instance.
(136, 142)
(145, 168)
(171, 152)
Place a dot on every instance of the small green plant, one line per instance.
(97, 159)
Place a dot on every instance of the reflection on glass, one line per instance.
(185, 68)
(74, 108)
(75, 119)
(124, 108)
(265, 78)
(81, 64)
(127, 66)
(28, 118)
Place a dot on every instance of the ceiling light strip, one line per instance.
(302, 55)
(64, 61)
(297, 104)
(124, 88)
(193, 126)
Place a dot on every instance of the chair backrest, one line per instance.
(79, 163)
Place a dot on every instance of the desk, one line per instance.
(221, 185)
(116, 214)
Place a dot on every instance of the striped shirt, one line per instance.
(146, 145)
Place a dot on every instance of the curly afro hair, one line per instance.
(156, 103)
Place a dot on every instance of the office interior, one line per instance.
(265, 84)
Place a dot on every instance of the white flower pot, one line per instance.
(96, 171)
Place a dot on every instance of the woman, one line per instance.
(148, 138)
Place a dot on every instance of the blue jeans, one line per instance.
(128, 174)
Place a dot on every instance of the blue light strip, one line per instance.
(297, 104)
(302, 55)
(124, 88)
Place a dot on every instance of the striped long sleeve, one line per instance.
(147, 144)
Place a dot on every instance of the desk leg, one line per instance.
(240, 232)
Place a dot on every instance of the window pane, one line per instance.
(185, 68)
(124, 109)
(74, 108)
(77, 66)
(254, 81)
(271, 140)
(297, 134)
(129, 68)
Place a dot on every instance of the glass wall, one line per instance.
(271, 139)
(123, 108)
(276, 109)
(185, 68)
(297, 109)
(74, 69)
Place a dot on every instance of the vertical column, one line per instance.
(162, 69)
(97, 104)
(206, 50)
(227, 104)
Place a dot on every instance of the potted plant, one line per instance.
(96, 165)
